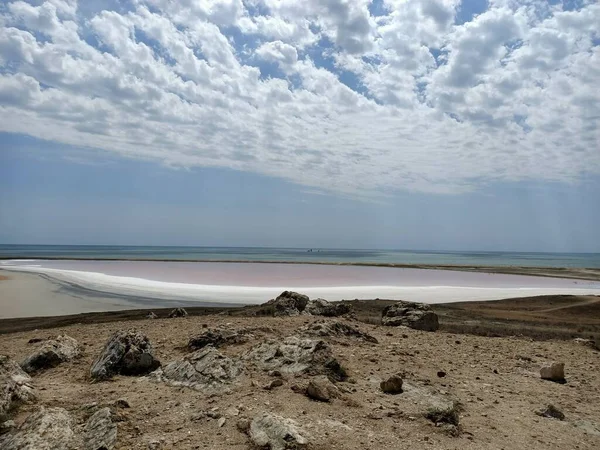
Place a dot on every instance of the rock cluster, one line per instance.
(178, 312)
(336, 329)
(55, 429)
(205, 370)
(125, 353)
(320, 307)
(293, 304)
(419, 316)
(15, 385)
(217, 337)
(296, 355)
(51, 353)
(276, 433)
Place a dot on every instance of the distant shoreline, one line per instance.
(578, 273)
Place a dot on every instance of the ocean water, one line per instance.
(258, 254)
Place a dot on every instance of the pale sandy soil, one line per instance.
(498, 408)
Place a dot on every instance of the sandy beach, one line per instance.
(58, 287)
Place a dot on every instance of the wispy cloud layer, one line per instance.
(355, 97)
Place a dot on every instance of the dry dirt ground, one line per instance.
(495, 380)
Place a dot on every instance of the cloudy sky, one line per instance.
(427, 124)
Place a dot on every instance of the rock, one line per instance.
(216, 337)
(51, 353)
(335, 329)
(276, 433)
(121, 403)
(15, 387)
(296, 355)
(321, 389)
(151, 315)
(178, 312)
(221, 422)
(35, 340)
(100, 433)
(591, 343)
(552, 412)
(155, 444)
(321, 307)
(46, 429)
(554, 372)
(243, 425)
(125, 353)
(441, 374)
(287, 304)
(419, 316)
(393, 385)
(273, 384)
(206, 370)
(7, 426)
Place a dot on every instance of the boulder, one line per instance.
(393, 385)
(276, 433)
(321, 307)
(296, 355)
(419, 316)
(287, 304)
(51, 353)
(125, 353)
(321, 389)
(216, 337)
(100, 433)
(178, 312)
(553, 372)
(15, 386)
(46, 429)
(151, 315)
(335, 329)
(207, 370)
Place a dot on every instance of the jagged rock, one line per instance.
(125, 353)
(46, 429)
(591, 343)
(321, 307)
(217, 337)
(335, 329)
(15, 385)
(297, 355)
(276, 433)
(287, 304)
(51, 353)
(393, 385)
(206, 370)
(419, 316)
(100, 433)
(321, 389)
(151, 315)
(178, 312)
(553, 372)
(551, 412)
(7, 426)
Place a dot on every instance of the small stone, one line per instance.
(273, 384)
(243, 425)
(552, 412)
(320, 389)
(393, 385)
(122, 403)
(221, 422)
(441, 374)
(554, 372)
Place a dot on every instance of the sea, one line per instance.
(301, 255)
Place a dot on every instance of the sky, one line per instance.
(406, 124)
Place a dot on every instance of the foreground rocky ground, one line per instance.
(242, 380)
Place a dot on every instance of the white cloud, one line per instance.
(369, 105)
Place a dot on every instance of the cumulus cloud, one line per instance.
(363, 100)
